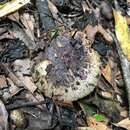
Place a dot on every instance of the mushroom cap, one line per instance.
(70, 70)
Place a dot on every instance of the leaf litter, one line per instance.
(61, 38)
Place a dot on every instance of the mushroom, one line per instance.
(70, 69)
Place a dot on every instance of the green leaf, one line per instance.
(99, 117)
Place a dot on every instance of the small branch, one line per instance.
(28, 104)
(125, 65)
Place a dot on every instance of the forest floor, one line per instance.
(64, 65)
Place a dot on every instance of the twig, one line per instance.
(28, 104)
(125, 65)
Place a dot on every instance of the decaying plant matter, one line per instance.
(61, 67)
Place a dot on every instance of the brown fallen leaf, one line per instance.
(105, 34)
(3, 117)
(109, 73)
(14, 16)
(124, 124)
(28, 21)
(28, 82)
(92, 123)
(91, 32)
(37, 98)
(3, 82)
(54, 12)
(106, 72)
(13, 89)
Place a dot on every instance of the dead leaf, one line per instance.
(122, 33)
(28, 82)
(53, 9)
(14, 16)
(35, 98)
(91, 32)
(12, 6)
(3, 117)
(31, 98)
(105, 34)
(3, 82)
(124, 124)
(19, 33)
(28, 21)
(23, 66)
(13, 89)
(106, 72)
(96, 125)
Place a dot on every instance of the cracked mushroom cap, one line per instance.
(69, 71)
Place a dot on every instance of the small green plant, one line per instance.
(99, 117)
